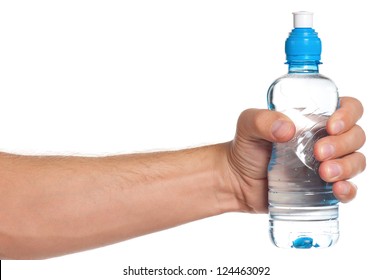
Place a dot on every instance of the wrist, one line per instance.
(227, 184)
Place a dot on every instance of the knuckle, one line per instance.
(358, 105)
(348, 170)
(362, 161)
(361, 135)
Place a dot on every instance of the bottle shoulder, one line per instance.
(302, 77)
(303, 91)
(295, 82)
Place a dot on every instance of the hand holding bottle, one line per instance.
(250, 151)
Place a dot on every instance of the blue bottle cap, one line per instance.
(303, 43)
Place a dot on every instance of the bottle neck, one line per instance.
(305, 67)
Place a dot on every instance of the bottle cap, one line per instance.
(303, 19)
(303, 43)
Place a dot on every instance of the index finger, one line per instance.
(346, 116)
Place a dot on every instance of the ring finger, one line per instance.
(343, 168)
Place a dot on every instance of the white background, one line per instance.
(105, 77)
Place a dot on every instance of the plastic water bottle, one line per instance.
(303, 210)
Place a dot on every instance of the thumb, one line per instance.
(256, 124)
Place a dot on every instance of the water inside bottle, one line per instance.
(299, 200)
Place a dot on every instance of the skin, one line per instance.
(52, 206)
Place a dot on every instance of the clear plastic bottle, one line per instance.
(303, 209)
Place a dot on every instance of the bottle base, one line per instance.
(304, 234)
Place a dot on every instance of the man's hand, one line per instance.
(249, 153)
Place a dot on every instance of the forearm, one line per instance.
(57, 205)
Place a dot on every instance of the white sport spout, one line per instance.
(303, 19)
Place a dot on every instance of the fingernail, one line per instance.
(281, 128)
(327, 151)
(334, 170)
(337, 126)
